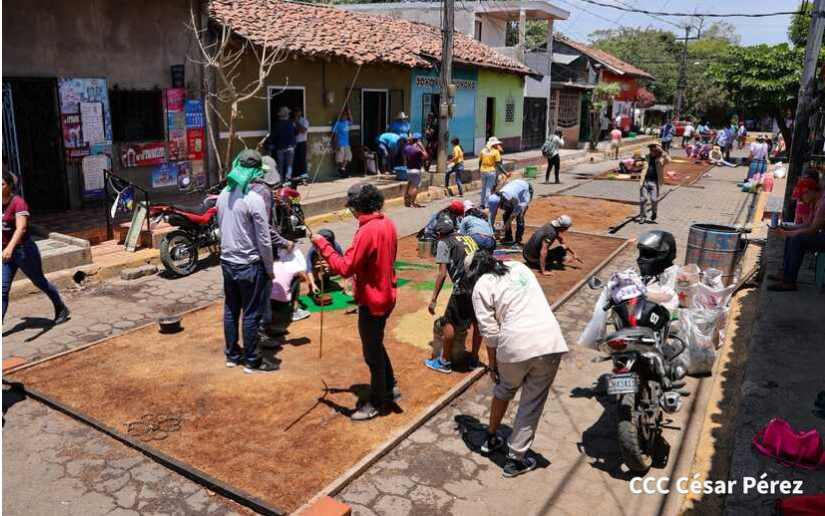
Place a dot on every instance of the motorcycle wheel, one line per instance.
(178, 253)
(631, 442)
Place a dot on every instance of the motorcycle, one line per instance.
(196, 228)
(646, 375)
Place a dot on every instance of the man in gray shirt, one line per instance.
(246, 260)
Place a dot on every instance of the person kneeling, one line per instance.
(539, 255)
(524, 345)
(288, 272)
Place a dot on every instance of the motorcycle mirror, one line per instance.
(594, 283)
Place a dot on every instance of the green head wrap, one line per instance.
(241, 176)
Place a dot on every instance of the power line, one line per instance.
(690, 15)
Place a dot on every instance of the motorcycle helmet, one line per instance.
(657, 250)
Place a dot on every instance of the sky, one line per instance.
(586, 18)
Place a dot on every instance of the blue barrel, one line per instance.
(715, 246)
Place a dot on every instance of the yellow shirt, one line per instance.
(458, 155)
(488, 159)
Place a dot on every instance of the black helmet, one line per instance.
(657, 250)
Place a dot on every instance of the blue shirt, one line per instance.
(390, 140)
(517, 190)
(283, 134)
(668, 131)
(471, 225)
(341, 131)
(401, 127)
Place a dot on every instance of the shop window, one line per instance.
(137, 115)
(568, 115)
(510, 112)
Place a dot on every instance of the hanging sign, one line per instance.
(145, 154)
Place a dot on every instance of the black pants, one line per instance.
(382, 378)
(520, 224)
(555, 161)
(299, 164)
(666, 146)
(555, 258)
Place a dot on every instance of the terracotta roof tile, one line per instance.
(326, 32)
(603, 57)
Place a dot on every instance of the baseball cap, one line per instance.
(563, 221)
(249, 158)
(443, 228)
(456, 207)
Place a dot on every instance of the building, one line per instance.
(519, 119)
(377, 66)
(81, 81)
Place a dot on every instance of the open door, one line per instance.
(373, 116)
(490, 118)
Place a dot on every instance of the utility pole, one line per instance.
(681, 83)
(799, 149)
(445, 107)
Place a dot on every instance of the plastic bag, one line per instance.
(595, 329)
(779, 172)
(698, 327)
(707, 297)
(713, 278)
(687, 277)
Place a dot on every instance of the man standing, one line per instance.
(538, 253)
(652, 179)
(515, 198)
(550, 150)
(666, 135)
(450, 255)
(281, 144)
(370, 259)
(340, 143)
(299, 167)
(688, 133)
(246, 261)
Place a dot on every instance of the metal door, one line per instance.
(535, 122)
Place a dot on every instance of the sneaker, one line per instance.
(364, 413)
(231, 363)
(437, 364)
(263, 367)
(300, 314)
(515, 467)
(493, 442)
(473, 363)
(395, 394)
(62, 316)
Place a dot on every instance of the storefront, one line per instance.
(426, 98)
(499, 109)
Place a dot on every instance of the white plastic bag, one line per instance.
(713, 278)
(687, 277)
(711, 298)
(779, 172)
(699, 329)
(595, 329)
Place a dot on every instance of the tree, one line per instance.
(600, 96)
(800, 25)
(223, 53)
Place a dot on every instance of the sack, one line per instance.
(788, 447)
(807, 505)
(687, 278)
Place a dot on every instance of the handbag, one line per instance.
(789, 447)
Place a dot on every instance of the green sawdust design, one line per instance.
(430, 285)
(340, 301)
(405, 266)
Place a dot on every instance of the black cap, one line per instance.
(443, 228)
(328, 235)
(353, 192)
(250, 159)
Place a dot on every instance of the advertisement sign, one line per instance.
(165, 175)
(175, 98)
(72, 136)
(195, 143)
(73, 92)
(194, 114)
(174, 101)
(93, 177)
(144, 154)
(185, 176)
(199, 174)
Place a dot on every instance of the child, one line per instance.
(456, 166)
(288, 271)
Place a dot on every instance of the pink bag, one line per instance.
(791, 448)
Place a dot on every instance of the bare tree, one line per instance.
(224, 52)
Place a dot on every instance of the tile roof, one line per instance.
(322, 31)
(606, 59)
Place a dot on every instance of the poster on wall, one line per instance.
(74, 91)
(194, 114)
(185, 176)
(174, 100)
(91, 122)
(145, 154)
(165, 175)
(195, 143)
(72, 136)
(93, 177)
(199, 174)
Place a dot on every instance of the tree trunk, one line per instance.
(227, 156)
(595, 130)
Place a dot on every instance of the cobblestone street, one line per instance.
(55, 465)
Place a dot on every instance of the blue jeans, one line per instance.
(457, 170)
(485, 242)
(26, 257)
(284, 159)
(795, 249)
(246, 288)
(488, 183)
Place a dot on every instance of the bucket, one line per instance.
(715, 246)
(400, 173)
(531, 171)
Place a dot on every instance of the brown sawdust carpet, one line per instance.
(234, 426)
(678, 172)
(589, 215)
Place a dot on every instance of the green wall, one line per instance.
(502, 87)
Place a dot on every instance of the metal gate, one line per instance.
(535, 122)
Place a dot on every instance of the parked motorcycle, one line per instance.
(646, 376)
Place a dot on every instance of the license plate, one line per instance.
(622, 384)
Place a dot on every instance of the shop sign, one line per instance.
(145, 154)
(195, 143)
(165, 175)
(435, 83)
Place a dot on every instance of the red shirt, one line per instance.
(17, 206)
(371, 259)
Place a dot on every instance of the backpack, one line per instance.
(546, 150)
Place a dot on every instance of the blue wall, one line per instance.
(462, 125)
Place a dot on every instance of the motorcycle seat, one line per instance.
(638, 332)
(193, 208)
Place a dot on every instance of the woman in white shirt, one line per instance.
(524, 348)
(758, 157)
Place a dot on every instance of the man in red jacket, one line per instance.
(370, 258)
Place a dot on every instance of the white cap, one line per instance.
(563, 222)
(493, 141)
(401, 116)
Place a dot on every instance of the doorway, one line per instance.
(535, 122)
(38, 152)
(284, 96)
(373, 116)
(490, 118)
